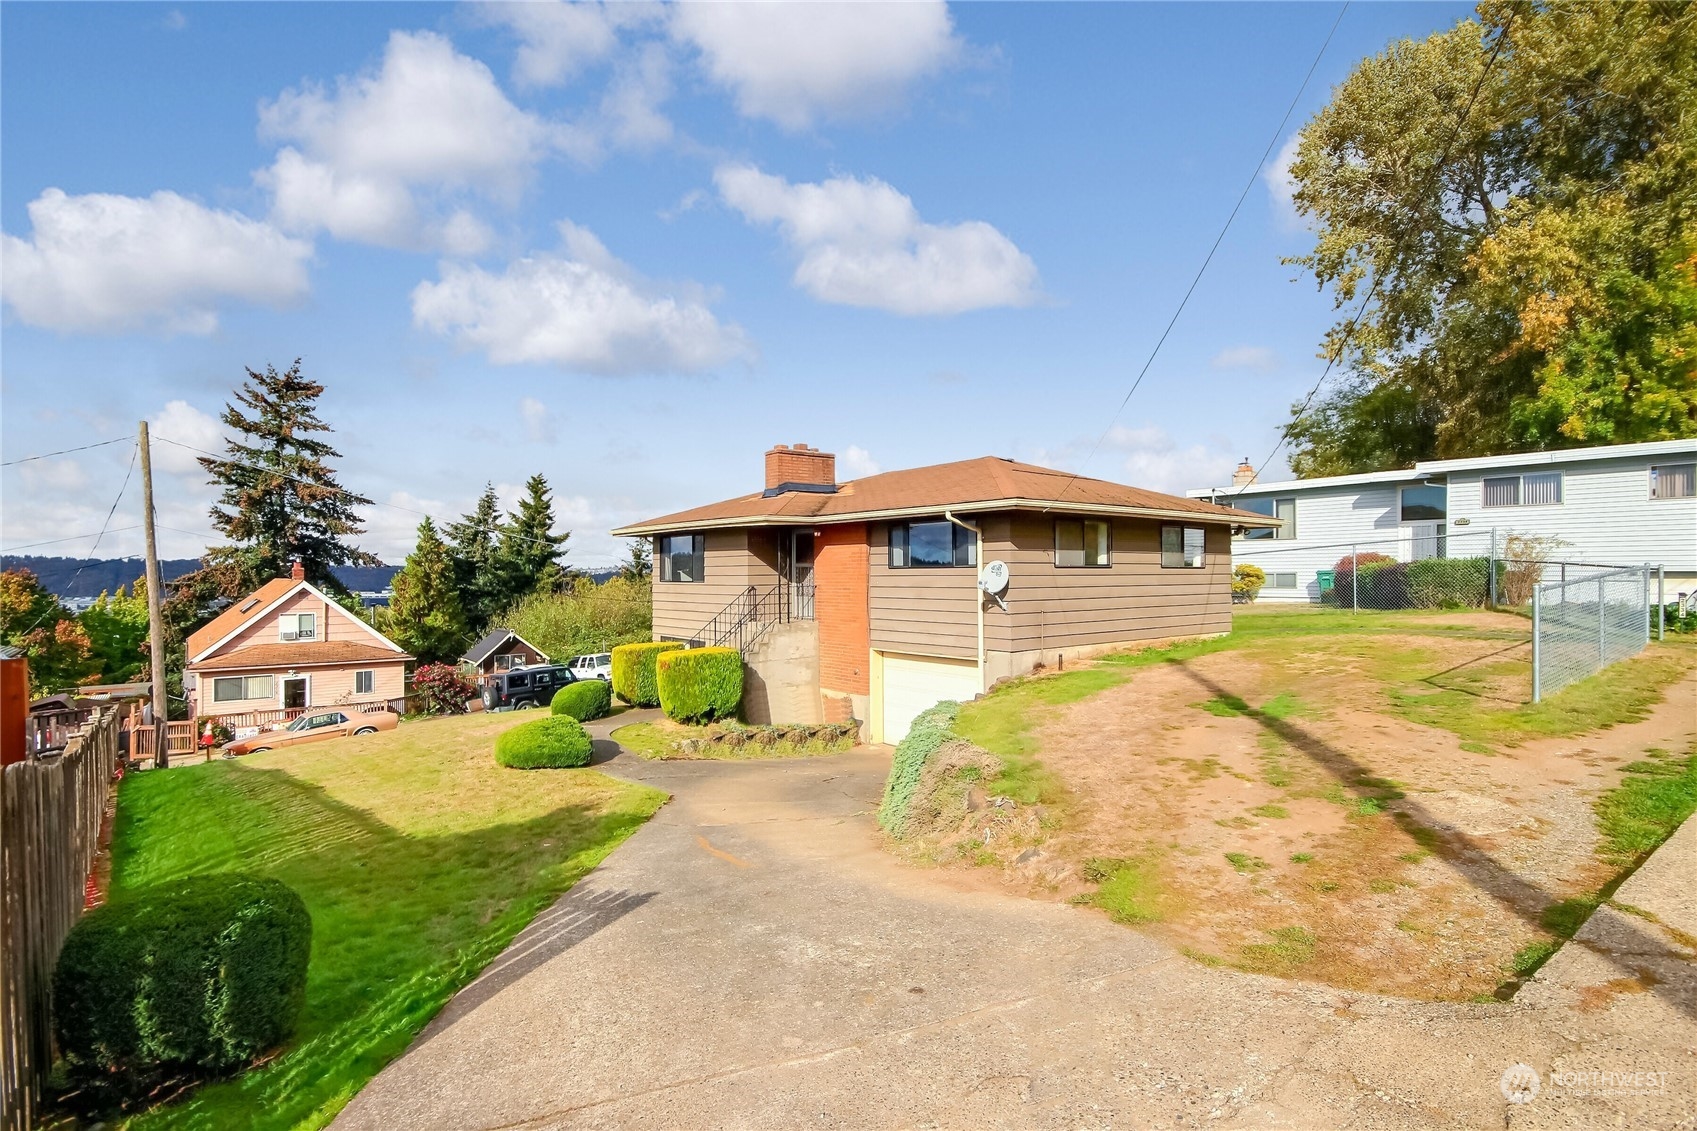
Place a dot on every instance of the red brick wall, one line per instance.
(800, 464)
(841, 608)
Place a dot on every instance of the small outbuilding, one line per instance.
(500, 649)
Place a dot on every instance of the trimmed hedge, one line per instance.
(634, 675)
(556, 742)
(197, 976)
(930, 730)
(700, 684)
(584, 700)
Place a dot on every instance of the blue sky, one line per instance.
(633, 246)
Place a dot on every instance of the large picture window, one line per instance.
(1181, 547)
(1082, 543)
(1673, 481)
(1282, 509)
(1428, 502)
(683, 557)
(235, 688)
(931, 545)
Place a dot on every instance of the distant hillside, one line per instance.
(104, 575)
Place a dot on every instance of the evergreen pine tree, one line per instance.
(530, 551)
(475, 550)
(282, 497)
(424, 615)
(640, 564)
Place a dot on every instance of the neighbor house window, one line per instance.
(1673, 481)
(1081, 543)
(683, 557)
(297, 626)
(1282, 509)
(925, 545)
(1281, 581)
(234, 688)
(1181, 547)
(1425, 503)
(365, 683)
(1537, 489)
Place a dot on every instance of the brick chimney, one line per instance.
(800, 466)
(1245, 473)
(297, 572)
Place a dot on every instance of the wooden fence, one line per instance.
(51, 811)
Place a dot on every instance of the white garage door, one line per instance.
(916, 683)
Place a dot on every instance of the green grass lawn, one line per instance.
(419, 859)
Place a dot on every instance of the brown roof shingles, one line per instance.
(301, 655)
(987, 479)
(236, 615)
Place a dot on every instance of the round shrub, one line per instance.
(634, 675)
(556, 742)
(196, 976)
(700, 684)
(584, 700)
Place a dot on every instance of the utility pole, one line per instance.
(155, 622)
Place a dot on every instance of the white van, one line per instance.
(598, 666)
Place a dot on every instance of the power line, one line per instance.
(63, 452)
(1255, 173)
(1355, 322)
(71, 538)
(104, 527)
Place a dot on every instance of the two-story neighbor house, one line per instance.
(290, 647)
(1625, 504)
(863, 599)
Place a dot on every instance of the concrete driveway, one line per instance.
(750, 958)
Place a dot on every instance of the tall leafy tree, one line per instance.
(1510, 205)
(424, 614)
(474, 546)
(116, 627)
(280, 500)
(530, 551)
(33, 621)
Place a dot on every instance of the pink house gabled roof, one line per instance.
(204, 643)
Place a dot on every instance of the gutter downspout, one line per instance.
(977, 596)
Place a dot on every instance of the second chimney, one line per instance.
(801, 467)
(1245, 473)
(297, 572)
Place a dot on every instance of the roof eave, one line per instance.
(1223, 517)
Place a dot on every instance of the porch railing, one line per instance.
(751, 613)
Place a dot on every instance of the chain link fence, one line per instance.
(1581, 626)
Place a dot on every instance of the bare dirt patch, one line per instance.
(1285, 819)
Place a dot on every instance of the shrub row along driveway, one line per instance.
(751, 958)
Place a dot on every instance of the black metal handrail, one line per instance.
(747, 618)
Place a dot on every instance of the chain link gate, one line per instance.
(1581, 626)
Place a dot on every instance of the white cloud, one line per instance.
(796, 63)
(862, 243)
(1145, 457)
(186, 424)
(47, 475)
(579, 309)
(557, 40)
(1281, 186)
(1244, 357)
(379, 159)
(108, 263)
(858, 462)
(538, 421)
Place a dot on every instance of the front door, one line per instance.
(800, 574)
(294, 692)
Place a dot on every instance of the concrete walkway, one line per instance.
(750, 958)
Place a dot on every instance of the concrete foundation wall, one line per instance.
(1006, 665)
(781, 675)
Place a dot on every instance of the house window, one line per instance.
(927, 545)
(365, 683)
(1181, 547)
(1282, 509)
(1426, 503)
(508, 660)
(1673, 481)
(1281, 581)
(235, 688)
(1537, 489)
(297, 626)
(683, 557)
(1081, 543)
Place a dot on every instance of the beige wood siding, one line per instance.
(1132, 599)
(736, 559)
(924, 612)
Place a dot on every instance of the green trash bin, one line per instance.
(1327, 578)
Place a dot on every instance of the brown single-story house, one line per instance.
(876, 598)
(286, 648)
(498, 650)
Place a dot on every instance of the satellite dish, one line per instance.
(993, 579)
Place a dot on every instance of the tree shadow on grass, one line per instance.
(1521, 897)
(400, 923)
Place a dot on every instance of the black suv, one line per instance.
(518, 688)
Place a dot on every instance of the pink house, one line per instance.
(287, 648)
